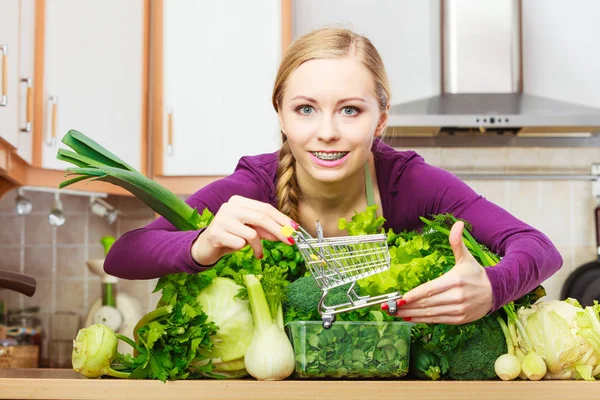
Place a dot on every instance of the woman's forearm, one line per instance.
(529, 262)
(151, 253)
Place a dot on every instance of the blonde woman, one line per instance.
(332, 95)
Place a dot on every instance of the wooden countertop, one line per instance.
(66, 384)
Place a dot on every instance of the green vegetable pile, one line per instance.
(228, 321)
(461, 352)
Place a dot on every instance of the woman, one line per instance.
(332, 96)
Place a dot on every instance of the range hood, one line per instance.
(482, 88)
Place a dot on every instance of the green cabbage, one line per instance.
(231, 315)
(566, 336)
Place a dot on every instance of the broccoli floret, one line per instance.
(475, 360)
(303, 296)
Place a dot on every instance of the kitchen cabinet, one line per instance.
(94, 79)
(26, 79)
(9, 70)
(561, 57)
(215, 64)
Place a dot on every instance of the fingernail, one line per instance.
(407, 319)
(400, 302)
(291, 240)
(384, 307)
(261, 256)
(294, 224)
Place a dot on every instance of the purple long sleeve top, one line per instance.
(409, 188)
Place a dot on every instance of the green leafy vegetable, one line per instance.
(178, 340)
(418, 257)
(364, 223)
(351, 349)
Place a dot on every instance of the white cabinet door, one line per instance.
(93, 75)
(9, 62)
(561, 54)
(26, 69)
(219, 64)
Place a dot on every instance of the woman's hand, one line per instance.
(461, 295)
(240, 222)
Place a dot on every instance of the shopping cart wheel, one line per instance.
(392, 307)
(328, 320)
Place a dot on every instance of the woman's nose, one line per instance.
(327, 130)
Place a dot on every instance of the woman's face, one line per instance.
(330, 116)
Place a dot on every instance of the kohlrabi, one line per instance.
(94, 350)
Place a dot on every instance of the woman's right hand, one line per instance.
(238, 223)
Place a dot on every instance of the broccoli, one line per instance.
(303, 296)
(475, 359)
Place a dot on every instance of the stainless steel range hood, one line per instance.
(482, 83)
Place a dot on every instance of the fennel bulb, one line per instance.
(270, 355)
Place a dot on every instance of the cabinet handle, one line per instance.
(170, 131)
(29, 112)
(53, 101)
(4, 98)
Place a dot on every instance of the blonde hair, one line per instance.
(325, 43)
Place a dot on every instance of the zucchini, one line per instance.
(423, 364)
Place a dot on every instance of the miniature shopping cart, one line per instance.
(336, 261)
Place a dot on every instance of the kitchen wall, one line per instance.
(56, 257)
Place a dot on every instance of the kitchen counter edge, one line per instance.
(66, 384)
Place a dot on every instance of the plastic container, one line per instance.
(350, 349)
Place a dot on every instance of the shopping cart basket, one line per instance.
(336, 261)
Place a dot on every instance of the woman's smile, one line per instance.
(329, 159)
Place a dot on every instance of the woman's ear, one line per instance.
(383, 118)
(281, 126)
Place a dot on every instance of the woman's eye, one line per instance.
(305, 110)
(350, 111)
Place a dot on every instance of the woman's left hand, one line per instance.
(461, 295)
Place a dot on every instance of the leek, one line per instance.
(94, 162)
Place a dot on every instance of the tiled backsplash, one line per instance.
(56, 256)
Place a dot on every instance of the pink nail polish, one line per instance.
(294, 224)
